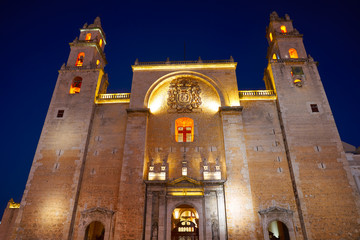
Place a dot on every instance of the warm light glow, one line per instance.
(257, 95)
(94, 29)
(271, 37)
(14, 205)
(273, 227)
(184, 171)
(80, 59)
(100, 42)
(212, 105)
(190, 192)
(97, 62)
(274, 56)
(76, 85)
(283, 29)
(184, 66)
(298, 82)
(161, 176)
(293, 53)
(184, 130)
(212, 175)
(157, 102)
(112, 98)
(88, 37)
(176, 213)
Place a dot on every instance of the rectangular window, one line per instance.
(60, 113)
(314, 108)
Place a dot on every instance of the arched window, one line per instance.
(184, 130)
(88, 37)
(293, 53)
(283, 29)
(100, 42)
(274, 56)
(95, 231)
(271, 37)
(97, 62)
(278, 230)
(76, 85)
(80, 59)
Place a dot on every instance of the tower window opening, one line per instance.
(271, 37)
(274, 56)
(76, 85)
(283, 29)
(293, 53)
(60, 114)
(297, 71)
(278, 230)
(97, 62)
(80, 59)
(100, 42)
(95, 231)
(314, 107)
(88, 37)
(184, 130)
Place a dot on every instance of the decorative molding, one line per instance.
(100, 210)
(276, 210)
(231, 109)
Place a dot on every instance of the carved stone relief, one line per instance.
(184, 95)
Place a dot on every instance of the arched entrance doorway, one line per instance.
(95, 231)
(184, 223)
(278, 230)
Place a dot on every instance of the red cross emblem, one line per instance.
(184, 134)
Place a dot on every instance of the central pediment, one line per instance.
(184, 181)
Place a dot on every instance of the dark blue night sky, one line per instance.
(35, 37)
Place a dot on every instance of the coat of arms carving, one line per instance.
(184, 95)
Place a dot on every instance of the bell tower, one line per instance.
(50, 199)
(312, 143)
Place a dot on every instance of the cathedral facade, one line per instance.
(186, 155)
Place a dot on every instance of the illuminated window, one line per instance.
(293, 53)
(274, 56)
(298, 82)
(314, 107)
(271, 37)
(184, 130)
(283, 29)
(80, 59)
(100, 42)
(97, 62)
(88, 37)
(76, 85)
(60, 113)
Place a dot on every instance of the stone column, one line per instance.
(239, 206)
(221, 213)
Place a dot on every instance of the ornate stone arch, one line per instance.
(277, 214)
(215, 84)
(103, 215)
